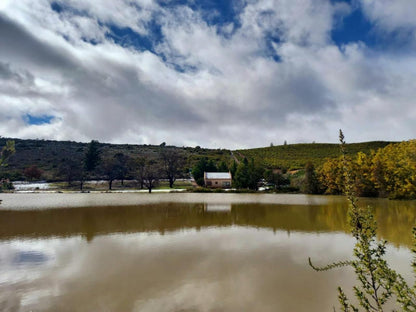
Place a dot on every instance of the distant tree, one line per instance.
(223, 167)
(111, 170)
(203, 165)
(32, 173)
(71, 170)
(285, 142)
(271, 144)
(276, 178)
(310, 183)
(7, 151)
(248, 175)
(151, 174)
(92, 156)
(123, 166)
(199, 169)
(139, 165)
(233, 168)
(173, 163)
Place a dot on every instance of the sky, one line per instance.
(213, 73)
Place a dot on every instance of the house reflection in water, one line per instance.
(216, 207)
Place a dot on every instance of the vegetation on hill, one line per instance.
(389, 171)
(53, 157)
(296, 156)
(379, 168)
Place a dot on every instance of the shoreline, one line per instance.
(53, 200)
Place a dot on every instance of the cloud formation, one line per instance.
(240, 76)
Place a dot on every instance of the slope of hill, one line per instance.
(49, 155)
(295, 156)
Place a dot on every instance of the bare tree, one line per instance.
(139, 165)
(173, 163)
(71, 170)
(151, 174)
(110, 170)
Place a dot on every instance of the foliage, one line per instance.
(248, 175)
(92, 156)
(203, 165)
(378, 283)
(296, 156)
(390, 171)
(173, 163)
(32, 173)
(7, 151)
(311, 183)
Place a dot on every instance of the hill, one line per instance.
(295, 156)
(49, 155)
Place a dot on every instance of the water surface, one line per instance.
(213, 255)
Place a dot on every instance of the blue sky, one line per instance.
(233, 74)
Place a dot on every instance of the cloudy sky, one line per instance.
(215, 73)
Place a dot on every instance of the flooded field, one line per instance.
(183, 252)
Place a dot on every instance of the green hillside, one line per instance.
(49, 155)
(295, 156)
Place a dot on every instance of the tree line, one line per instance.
(387, 172)
(147, 171)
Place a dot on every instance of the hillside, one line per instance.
(49, 155)
(295, 156)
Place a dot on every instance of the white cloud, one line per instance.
(230, 93)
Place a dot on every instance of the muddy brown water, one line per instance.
(183, 252)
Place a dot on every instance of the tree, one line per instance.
(248, 175)
(377, 282)
(151, 174)
(32, 173)
(110, 168)
(139, 165)
(223, 167)
(310, 183)
(71, 170)
(92, 156)
(122, 166)
(203, 165)
(7, 151)
(233, 168)
(173, 163)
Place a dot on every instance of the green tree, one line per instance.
(248, 175)
(203, 165)
(92, 156)
(7, 151)
(233, 168)
(222, 167)
(310, 182)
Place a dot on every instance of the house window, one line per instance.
(226, 183)
(209, 183)
(216, 182)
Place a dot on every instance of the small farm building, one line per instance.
(217, 179)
